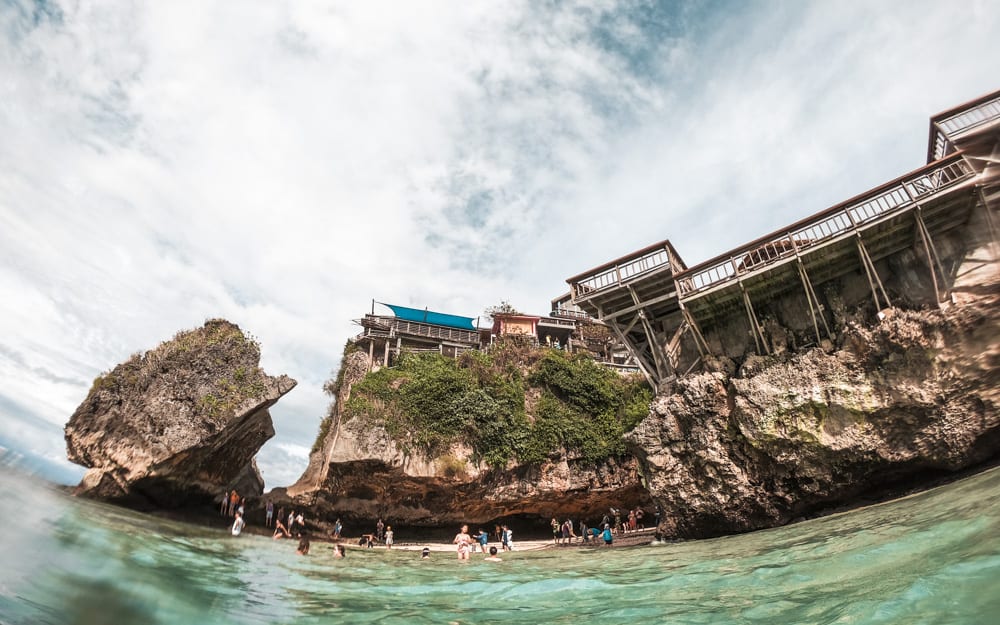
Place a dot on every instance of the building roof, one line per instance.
(433, 318)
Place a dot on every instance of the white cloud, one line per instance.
(282, 164)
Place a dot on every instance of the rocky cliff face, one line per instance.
(179, 423)
(915, 395)
(358, 474)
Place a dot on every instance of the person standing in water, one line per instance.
(238, 524)
(269, 513)
(388, 537)
(606, 534)
(464, 542)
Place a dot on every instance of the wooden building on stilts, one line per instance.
(385, 336)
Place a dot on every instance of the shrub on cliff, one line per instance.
(428, 402)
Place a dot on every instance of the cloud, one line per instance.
(281, 164)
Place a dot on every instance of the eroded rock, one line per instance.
(178, 424)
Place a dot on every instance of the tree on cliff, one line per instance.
(503, 308)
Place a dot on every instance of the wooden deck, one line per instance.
(650, 299)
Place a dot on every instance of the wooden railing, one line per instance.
(621, 272)
(562, 323)
(976, 113)
(822, 227)
(400, 326)
(570, 313)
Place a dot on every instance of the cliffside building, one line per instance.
(412, 329)
(900, 243)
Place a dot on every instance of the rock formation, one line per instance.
(914, 396)
(178, 424)
(359, 474)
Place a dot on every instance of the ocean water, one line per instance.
(931, 558)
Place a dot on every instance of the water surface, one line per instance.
(931, 558)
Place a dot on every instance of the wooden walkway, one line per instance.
(651, 300)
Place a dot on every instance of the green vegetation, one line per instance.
(428, 402)
(233, 355)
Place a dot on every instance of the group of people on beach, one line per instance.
(611, 525)
(467, 543)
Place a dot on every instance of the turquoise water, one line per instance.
(932, 558)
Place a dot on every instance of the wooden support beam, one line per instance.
(758, 334)
(813, 303)
(699, 339)
(872, 273)
(656, 346)
(989, 215)
(371, 354)
(643, 366)
(638, 306)
(931, 253)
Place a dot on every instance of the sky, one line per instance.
(281, 164)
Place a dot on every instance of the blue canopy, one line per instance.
(433, 318)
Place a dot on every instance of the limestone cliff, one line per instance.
(179, 423)
(359, 471)
(913, 396)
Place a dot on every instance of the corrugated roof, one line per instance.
(433, 318)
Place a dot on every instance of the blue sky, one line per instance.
(280, 164)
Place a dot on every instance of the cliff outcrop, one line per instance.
(178, 424)
(523, 461)
(911, 397)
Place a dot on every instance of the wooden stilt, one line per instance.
(813, 302)
(371, 354)
(663, 368)
(699, 341)
(931, 259)
(872, 273)
(643, 366)
(988, 214)
(758, 334)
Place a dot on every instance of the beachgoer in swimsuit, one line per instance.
(280, 531)
(606, 534)
(269, 514)
(225, 503)
(464, 542)
(508, 539)
(339, 551)
(425, 554)
(337, 527)
(555, 531)
(493, 556)
(238, 524)
(388, 537)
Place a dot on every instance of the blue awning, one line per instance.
(433, 318)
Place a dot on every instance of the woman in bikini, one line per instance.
(464, 542)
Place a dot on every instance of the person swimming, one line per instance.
(339, 551)
(493, 557)
(303, 549)
(425, 554)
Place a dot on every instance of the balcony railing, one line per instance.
(822, 227)
(621, 272)
(397, 326)
(977, 113)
